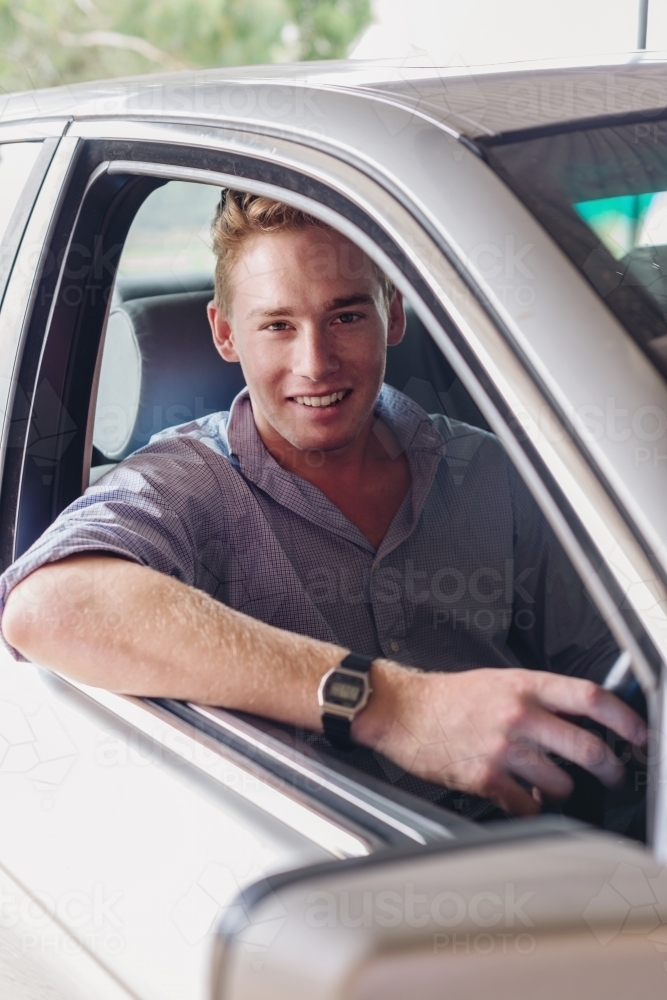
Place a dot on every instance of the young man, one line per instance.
(239, 559)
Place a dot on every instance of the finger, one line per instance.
(573, 743)
(574, 696)
(530, 762)
(510, 796)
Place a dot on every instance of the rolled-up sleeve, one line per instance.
(154, 509)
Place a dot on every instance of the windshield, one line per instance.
(602, 193)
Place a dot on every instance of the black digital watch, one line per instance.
(343, 692)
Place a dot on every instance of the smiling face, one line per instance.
(310, 325)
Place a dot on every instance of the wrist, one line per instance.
(383, 709)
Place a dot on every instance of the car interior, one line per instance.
(159, 368)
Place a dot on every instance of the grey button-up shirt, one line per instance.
(467, 575)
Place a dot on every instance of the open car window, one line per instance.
(159, 369)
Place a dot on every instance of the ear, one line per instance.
(396, 322)
(223, 337)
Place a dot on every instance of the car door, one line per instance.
(115, 166)
(106, 791)
(98, 880)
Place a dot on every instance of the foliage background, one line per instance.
(44, 43)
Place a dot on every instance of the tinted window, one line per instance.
(602, 193)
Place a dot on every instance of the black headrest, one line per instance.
(159, 369)
(418, 368)
(143, 286)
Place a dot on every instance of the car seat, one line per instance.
(159, 369)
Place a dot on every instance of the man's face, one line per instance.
(310, 327)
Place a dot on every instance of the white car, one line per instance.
(161, 850)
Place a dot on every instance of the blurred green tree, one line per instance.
(44, 43)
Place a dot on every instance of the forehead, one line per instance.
(300, 260)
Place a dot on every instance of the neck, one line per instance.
(349, 462)
(367, 479)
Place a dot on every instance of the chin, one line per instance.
(334, 444)
(323, 442)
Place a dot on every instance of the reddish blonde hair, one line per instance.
(241, 216)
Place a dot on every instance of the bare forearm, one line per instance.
(114, 624)
(120, 626)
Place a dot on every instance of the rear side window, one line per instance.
(18, 162)
(159, 366)
(170, 237)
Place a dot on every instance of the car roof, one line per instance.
(473, 102)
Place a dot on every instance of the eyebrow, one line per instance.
(340, 303)
(351, 300)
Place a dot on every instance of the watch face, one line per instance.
(344, 690)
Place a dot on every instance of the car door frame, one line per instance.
(563, 482)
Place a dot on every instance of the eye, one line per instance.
(278, 326)
(348, 317)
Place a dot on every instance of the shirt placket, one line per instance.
(424, 448)
(387, 586)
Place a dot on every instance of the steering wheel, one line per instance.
(622, 810)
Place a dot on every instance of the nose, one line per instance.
(313, 355)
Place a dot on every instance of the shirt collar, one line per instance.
(411, 424)
(414, 429)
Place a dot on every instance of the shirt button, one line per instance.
(394, 646)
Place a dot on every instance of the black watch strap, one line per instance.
(337, 728)
(355, 661)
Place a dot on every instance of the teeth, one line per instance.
(335, 397)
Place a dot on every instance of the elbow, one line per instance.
(20, 623)
(30, 612)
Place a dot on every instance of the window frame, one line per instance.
(18, 220)
(455, 315)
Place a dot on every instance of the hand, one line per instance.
(476, 731)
